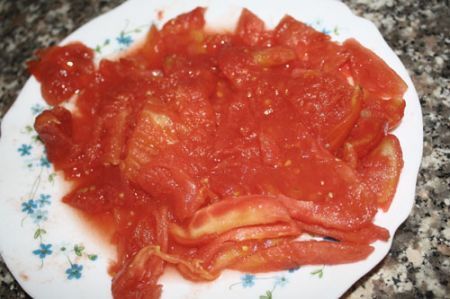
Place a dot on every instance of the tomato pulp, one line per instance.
(217, 150)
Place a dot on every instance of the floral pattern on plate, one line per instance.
(36, 206)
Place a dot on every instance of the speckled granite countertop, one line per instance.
(418, 265)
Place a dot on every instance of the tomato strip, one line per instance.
(365, 235)
(141, 273)
(381, 169)
(249, 233)
(337, 136)
(293, 254)
(329, 216)
(228, 214)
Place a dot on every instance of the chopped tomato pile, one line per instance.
(213, 151)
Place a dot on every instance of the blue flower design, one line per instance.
(281, 281)
(44, 199)
(44, 162)
(43, 251)
(292, 270)
(74, 271)
(326, 31)
(24, 150)
(36, 109)
(124, 40)
(39, 216)
(29, 206)
(248, 280)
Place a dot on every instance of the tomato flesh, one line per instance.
(63, 70)
(213, 151)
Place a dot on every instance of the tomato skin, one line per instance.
(251, 29)
(55, 130)
(325, 91)
(373, 73)
(62, 71)
(185, 22)
(337, 136)
(228, 214)
(354, 216)
(299, 36)
(172, 183)
(98, 193)
(138, 277)
(185, 32)
(313, 48)
(391, 110)
(152, 51)
(380, 171)
(293, 254)
(239, 235)
(365, 235)
(367, 133)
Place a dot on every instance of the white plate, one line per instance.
(53, 254)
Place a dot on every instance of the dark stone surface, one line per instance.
(418, 265)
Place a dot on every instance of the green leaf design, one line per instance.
(79, 248)
(336, 30)
(92, 257)
(268, 295)
(318, 272)
(51, 177)
(28, 129)
(39, 232)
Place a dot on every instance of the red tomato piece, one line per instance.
(276, 55)
(350, 216)
(336, 137)
(231, 253)
(391, 110)
(63, 70)
(314, 49)
(137, 268)
(229, 214)
(151, 53)
(365, 235)
(185, 33)
(138, 277)
(185, 22)
(100, 192)
(293, 254)
(367, 133)
(373, 73)
(251, 29)
(380, 171)
(324, 102)
(154, 131)
(55, 130)
(241, 234)
(173, 184)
